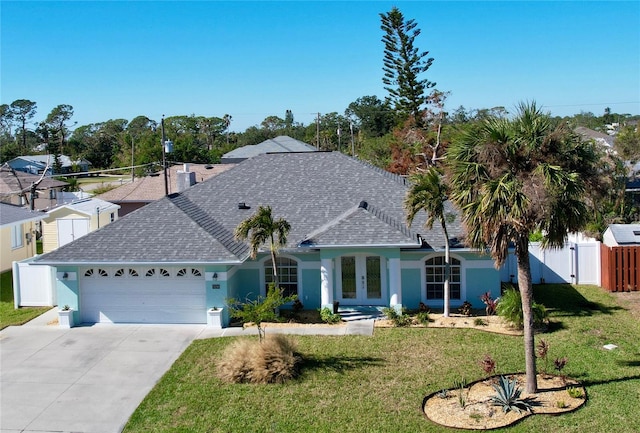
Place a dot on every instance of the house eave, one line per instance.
(135, 263)
(320, 246)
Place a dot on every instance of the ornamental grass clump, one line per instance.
(274, 360)
(510, 308)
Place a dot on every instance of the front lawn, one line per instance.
(8, 314)
(377, 384)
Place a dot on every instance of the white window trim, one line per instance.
(17, 235)
(423, 278)
(263, 279)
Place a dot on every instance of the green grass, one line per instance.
(376, 384)
(8, 314)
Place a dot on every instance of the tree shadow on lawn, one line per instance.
(563, 300)
(584, 381)
(339, 364)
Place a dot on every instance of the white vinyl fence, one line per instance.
(576, 263)
(33, 286)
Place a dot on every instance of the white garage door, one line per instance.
(142, 295)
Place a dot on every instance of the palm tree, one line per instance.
(513, 177)
(261, 228)
(428, 192)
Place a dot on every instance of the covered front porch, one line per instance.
(369, 278)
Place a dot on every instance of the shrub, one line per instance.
(508, 396)
(297, 306)
(575, 392)
(490, 303)
(479, 322)
(328, 316)
(559, 364)
(542, 350)
(510, 308)
(461, 384)
(263, 309)
(465, 308)
(398, 319)
(248, 361)
(488, 365)
(423, 318)
(443, 394)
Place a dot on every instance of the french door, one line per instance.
(360, 280)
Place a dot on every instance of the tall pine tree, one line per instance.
(403, 64)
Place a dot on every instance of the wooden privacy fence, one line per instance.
(620, 268)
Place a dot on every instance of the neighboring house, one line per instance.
(603, 139)
(621, 235)
(71, 221)
(172, 260)
(15, 188)
(17, 234)
(279, 144)
(36, 164)
(144, 190)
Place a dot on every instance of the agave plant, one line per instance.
(508, 396)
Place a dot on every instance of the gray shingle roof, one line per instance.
(625, 233)
(316, 192)
(362, 225)
(10, 214)
(281, 143)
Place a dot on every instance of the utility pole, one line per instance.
(353, 148)
(318, 132)
(132, 164)
(164, 158)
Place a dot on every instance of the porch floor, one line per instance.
(350, 313)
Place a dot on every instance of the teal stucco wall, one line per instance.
(68, 290)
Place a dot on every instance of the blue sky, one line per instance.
(121, 59)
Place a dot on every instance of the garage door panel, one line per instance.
(148, 315)
(143, 300)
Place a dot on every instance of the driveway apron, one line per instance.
(86, 379)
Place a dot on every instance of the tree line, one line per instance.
(372, 128)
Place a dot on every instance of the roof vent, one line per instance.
(242, 205)
(636, 232)
(363, 204)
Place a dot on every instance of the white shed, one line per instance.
(621, 235)
(71, 221)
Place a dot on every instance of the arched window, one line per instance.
(435, 278)
(287, 275)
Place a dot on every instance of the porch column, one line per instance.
(326, 288)
(395, 284)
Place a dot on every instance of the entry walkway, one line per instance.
(355, 327)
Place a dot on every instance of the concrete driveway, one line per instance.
(85, 379)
